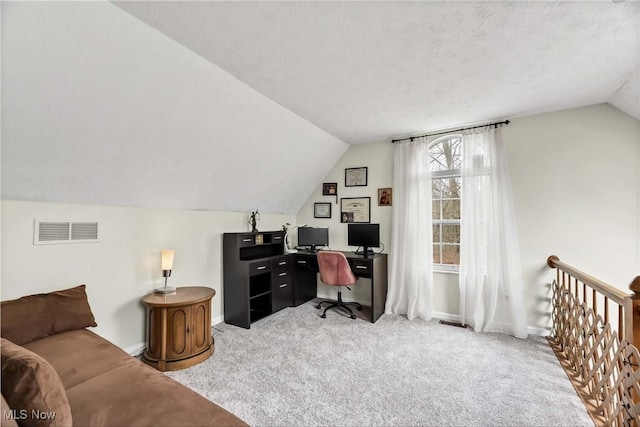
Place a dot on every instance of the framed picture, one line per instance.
(355, 177)
(329, 188)
(322, 210)
(384, 197)
(355, 209)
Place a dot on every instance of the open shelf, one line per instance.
(258, 314)
(260, 295)
(260, 306)
(259, 285)
(260, 251)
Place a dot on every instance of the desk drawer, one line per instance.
(280, 277)
(259, 267)
(246, 240)
(282, 295)
(361, 266)
(282, 263)
(307, 262)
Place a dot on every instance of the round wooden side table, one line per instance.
(178, 328)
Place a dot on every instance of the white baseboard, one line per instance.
(136, 349)
(534, 330)
(446, 316)
(217, 319)
(531, 330)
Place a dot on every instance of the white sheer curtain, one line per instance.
(411, 274)
(491, 285)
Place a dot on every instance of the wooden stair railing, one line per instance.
(601, 362)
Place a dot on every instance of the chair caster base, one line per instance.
(353, 316)
(324, 316)
(318, 306)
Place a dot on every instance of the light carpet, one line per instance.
(294, 368)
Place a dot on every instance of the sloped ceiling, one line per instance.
(99, 108)
(234, 106)
(371, 71)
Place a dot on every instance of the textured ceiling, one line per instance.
(370, 71)
(109, 104)
(99, 108)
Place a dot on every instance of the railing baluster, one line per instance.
(620, 323)
(601, 359)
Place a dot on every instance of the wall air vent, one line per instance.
(56, 232)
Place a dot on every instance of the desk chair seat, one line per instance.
(335, 271)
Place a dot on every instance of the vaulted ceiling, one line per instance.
(370, 71)
(241, 105)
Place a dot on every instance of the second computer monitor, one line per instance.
(365, 235)
(313, 237)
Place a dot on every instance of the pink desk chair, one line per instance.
(335, 271)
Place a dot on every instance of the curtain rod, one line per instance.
(506, 122)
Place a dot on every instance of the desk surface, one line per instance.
(348, 254)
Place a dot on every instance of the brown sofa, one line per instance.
(104, 385)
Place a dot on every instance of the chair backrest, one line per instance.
(334, 269)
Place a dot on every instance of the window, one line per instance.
(446, 162)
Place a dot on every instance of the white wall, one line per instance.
(91, 92)
(378, 158)
(125, 264)
(575, 183)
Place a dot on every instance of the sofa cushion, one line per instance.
(36, 316)
(108, 387)
(79, 355)
(32, 387)
(71, 309)
(144, 397)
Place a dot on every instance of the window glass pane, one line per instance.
(450, 254)
(436, 254)
(436, 233)
(450, 188)
(450, 233)
(435, 209)
(451, 209)
(446, 155)
(436, 188)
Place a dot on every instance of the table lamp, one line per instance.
(167, 266)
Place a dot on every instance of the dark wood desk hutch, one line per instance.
(260, 279)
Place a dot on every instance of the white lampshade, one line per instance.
(167, 259)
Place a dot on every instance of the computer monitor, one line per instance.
(365, 235)
(313, 236)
